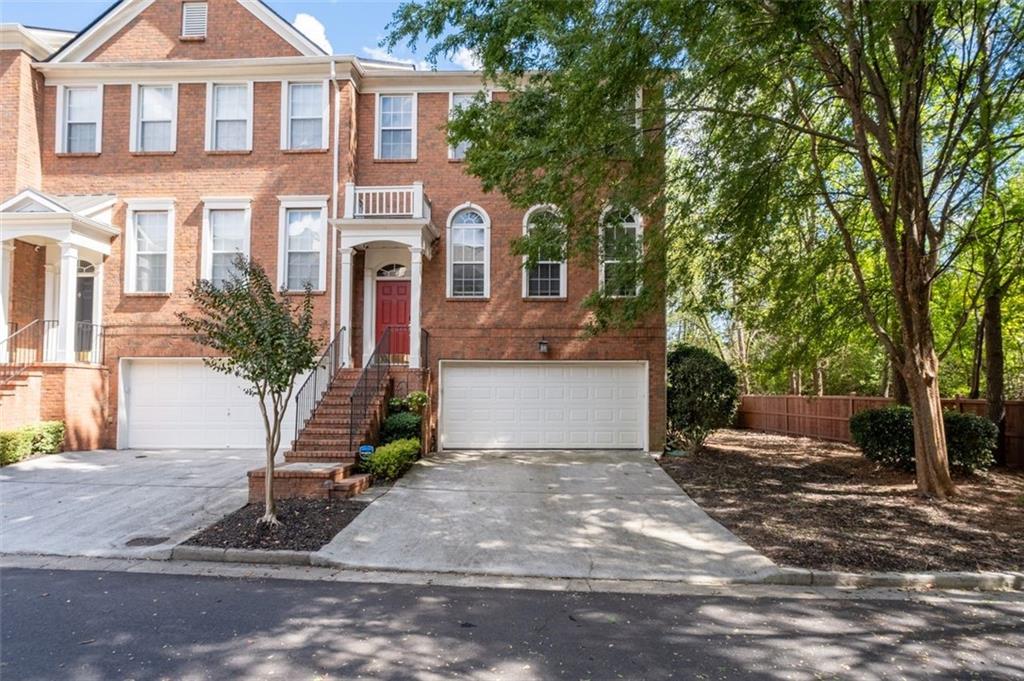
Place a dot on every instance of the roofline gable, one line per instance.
(37, 197)
(122, 12)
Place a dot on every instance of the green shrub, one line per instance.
(400, 426)
(703, 394)
(390, 461)
(417, 401)
(886, 436)
(397, 405)
(39, 438)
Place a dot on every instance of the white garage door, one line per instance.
(183, 403)
(543, 405)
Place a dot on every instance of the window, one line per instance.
(457, 101)
(396, 126)
(303, 239)
(468, 253)
(229, 127)
(149, 246)
(546, 279)
(225, 235)
(393, 271)
(304, 115)
(193, 20)
(154, 114)
(81, 126)
(620, 242)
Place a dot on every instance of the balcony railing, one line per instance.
(408, 202)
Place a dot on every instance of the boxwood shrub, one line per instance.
(400, 426)
(703, 395)
(390, 461)
(886, 436)
(46, 437)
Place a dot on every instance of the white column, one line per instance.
(346, 305)
(51, 286)
(66, 302)
(415, 286)
(417, 199)
(6, 277)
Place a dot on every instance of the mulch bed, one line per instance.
(306, 525)
(815, 504)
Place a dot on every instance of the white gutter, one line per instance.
(334, 201)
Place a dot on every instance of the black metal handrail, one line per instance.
(316, 384)
(89, 340)
(31, 344)
(424, 349)
(370, 382)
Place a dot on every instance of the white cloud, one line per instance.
(383, 55)
(314, 30)
(467, 59)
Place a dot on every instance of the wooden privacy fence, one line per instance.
(828, 417)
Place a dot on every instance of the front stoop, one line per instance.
(309, 480)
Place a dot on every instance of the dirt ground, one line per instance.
(306, 525)
(816, 504)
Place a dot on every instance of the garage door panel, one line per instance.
(598, 405)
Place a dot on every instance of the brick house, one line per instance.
(143, 152)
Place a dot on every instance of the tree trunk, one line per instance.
(270, 506)
(819, 378)
(930, 453)
(974, 391)
(900, 393)
(795, 382)
(994, 364)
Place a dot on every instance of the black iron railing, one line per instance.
(424, 349)
(89, 343)
(31, 344)
(315, 386)
(369, 385)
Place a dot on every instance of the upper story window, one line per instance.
(457, 101)
(225, 235)
(547, 278)
(229, 117)
(154, 117)
(468, 253)
(193, 20)
(396, 126)
(620, 248)
(303, 254)
(80, 119)
(149, 256)
(304, 123)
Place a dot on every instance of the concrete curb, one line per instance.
(981, 581)
(182, 552)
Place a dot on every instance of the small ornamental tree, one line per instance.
(702, 395)
(260, 337)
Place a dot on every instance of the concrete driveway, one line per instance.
(571, 514)
(129, 503)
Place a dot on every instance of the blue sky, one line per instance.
(350, 26)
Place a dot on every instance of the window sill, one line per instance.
(315, 292)
(192, 38)
(228, 152)
(456, 160)
(78, 154)
(147, 294)
(304, 151)
(152, 153)
(545, 299)
(468, 299)
(394, 160)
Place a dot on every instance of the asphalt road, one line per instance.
(115, 625)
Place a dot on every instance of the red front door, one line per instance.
(393, 311)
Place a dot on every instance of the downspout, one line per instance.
(334, 200)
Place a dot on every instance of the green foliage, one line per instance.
(886, 436)
(702, 394)
(398, 404)
(418, 401)
(390, 461)
(46, 437)
(399, 426)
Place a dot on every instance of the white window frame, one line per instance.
(209, 117)
(286, 120)
(134, 134)
(451, 109)
(222, 203)
(301, 203)
(206, 20)
(377, 127)
(563, 284)
(601, 259)
(487, 251)
(143, 206)
(60, 140)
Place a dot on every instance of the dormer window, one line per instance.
(193, 20)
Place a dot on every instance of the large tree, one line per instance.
(868, 112)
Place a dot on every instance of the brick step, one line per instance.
(320, 456)
(313, 480)
(350, 487)
(321, 441)
(317, 431)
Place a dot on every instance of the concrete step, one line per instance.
(350, 487)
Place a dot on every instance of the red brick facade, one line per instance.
(505, 326)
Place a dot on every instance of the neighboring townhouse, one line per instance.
(144, 152)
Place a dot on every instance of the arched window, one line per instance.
(469, 253)
(620, 248)
(547, 278)
(392, 271)
(86, 268)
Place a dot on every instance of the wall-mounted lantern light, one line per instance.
(542, 346)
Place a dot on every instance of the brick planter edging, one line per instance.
(982, 581)
(209, 553)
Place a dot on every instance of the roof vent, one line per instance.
(193, 20)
